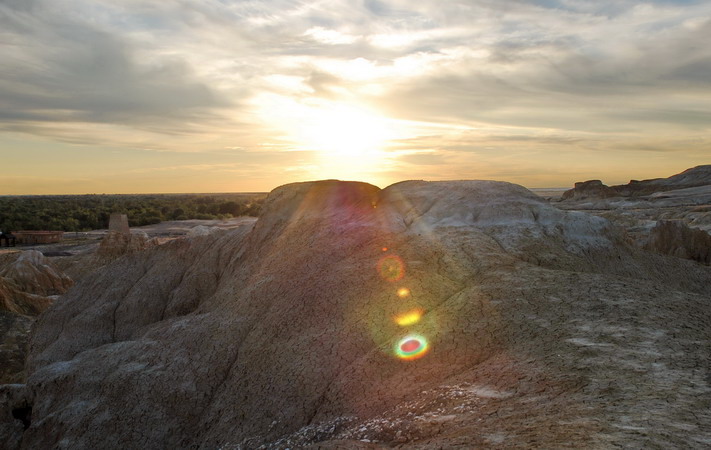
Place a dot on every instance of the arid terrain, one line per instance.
(665, 215)
(456, 314)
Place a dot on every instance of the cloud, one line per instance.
(568, 70)
(140, 64)
(59, 68)
(538, 76)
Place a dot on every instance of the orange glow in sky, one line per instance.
(379, 92)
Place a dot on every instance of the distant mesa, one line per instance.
(589, 189)
(595, 189)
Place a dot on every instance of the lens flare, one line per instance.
(411, 347)
(403, 292)
(409, 318)
(391, 268)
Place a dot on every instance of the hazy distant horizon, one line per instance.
(231, 96)
(534, 189)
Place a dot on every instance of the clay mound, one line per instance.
(533, 327)
(677, 239)
(511, 214)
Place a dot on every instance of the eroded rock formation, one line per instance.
(33, 273)
(516, 325)
(15, 300)
(116, 244)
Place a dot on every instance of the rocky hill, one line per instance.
(424, 315)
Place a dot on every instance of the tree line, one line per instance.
(91, 212)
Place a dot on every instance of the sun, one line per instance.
(344, 131)
(350, 141)
(342, 140)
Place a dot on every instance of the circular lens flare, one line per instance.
(411, 347)
(403, 292)
(391, 268)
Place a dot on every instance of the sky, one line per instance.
(128, 96)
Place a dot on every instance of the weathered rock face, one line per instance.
(427, 314)
(15, 300)
(677, 239)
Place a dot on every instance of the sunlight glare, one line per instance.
(409, 318)
(347, 140)
(343, 130)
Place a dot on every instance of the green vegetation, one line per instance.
(91, 212)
